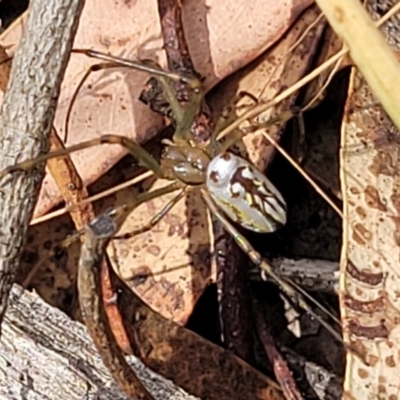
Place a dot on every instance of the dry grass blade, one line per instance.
(373, 57)
(69, 182)
(94, 198)
(260, 108)
(26, 118)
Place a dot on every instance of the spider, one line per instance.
(231, 187)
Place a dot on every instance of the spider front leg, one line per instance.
(144, 66)
(145, 158)
(183, 117)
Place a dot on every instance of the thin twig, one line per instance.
(174, 39)
(97, 236)
(96, 197)
(279, 365)
(26, 118)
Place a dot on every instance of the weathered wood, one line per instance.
(26, 118)
(46, 355)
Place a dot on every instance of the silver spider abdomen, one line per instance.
(244, 194)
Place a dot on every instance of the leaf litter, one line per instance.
(154, 248)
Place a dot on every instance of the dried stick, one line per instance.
(26, 118)
(282, 372)
(174, 39)
(97, 236)
(312, 275)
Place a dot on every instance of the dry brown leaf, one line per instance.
(222, 37)
(191, 362)
(370, 283)
(5, 68)
(370, 274)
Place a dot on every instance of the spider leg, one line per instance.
(89, 71)
(293, 291)
(184, 118)
(145, 158)
(149, 67)
(120, 213)
(157, 218)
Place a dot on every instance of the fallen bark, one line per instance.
(46, 355)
